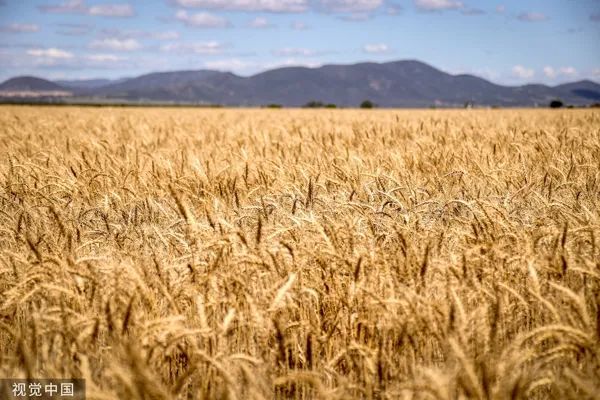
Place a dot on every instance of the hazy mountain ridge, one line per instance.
(406, 83)
(29, 83)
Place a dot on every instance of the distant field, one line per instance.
(327, 254)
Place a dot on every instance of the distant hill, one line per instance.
(407, 83)
(203, 86)
(29, 83)
(586, 89)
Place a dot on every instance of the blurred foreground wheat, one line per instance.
(258, 254)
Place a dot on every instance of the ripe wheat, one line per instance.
(259, 254)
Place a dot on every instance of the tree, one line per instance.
(367, 104)
(556, 104)
(314, 104)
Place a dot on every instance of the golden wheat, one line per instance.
(258, 254)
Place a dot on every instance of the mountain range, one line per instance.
(406, 83)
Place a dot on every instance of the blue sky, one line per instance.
(505, 41)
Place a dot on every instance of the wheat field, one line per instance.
(171, 253)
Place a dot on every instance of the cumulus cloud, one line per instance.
(50, 57)
(51, 52)
(349, 6)
(232, 64)
(112, 10)
(522, 72)
(80, 7)
(19, 28)
(116, 44)
(278, 6)
(566, 72)
(65, 7)
(500, 9)
(438, 5)
(211, 47)
(549, 72)
(283, 6)
(260, 23)
(291, 62)
(201, 20)
(239, 65)
(376, 48)
(531, 17)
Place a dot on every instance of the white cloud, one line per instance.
(282, 6)
(291, 62)
(51, 52)
(201, 20)
(500, 9)
(375, 48)
(438, 5)
(20, 28)
(596, 73)
(238, 65)
(549, 72)
(65, 7)
(522, 72)
(116, 44)
(79, 7)
(350, 6)
(260, 23)
(212, 47)
(299, 26)
(232, 64)
(293, 52)
(112, 10)
(532, 17)
(568, 71)
(104, 58)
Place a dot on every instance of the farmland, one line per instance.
(329, 254)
